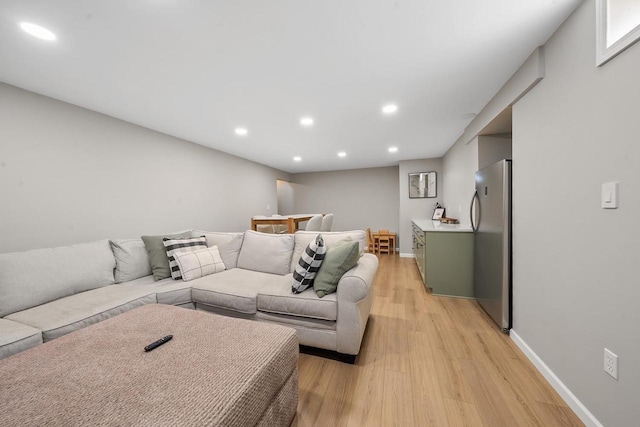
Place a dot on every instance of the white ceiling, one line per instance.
(198, 69)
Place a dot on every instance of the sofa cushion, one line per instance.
(168, 291)
(308, 265)
(38, 276)
(303, 238)
(280, 300)
(173, 246)
(228, 244)
(16, 337)
(268, 253)
(199, 263)
(158, 254)
(132, 259)
(68, 314)
(338, 260)
(235, 289)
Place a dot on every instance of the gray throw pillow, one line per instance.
(158, 254)
(338, 259)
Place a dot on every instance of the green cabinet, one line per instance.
(445, 259)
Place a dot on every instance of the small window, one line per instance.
(618, 27)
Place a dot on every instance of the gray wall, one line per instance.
(358, 198)
(411, 209)
(492, 149)
(576, 287)
(70, 175)
(285, 198)
(460, 165)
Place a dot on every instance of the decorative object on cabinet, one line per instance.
(422, 185)
(446, 220)
(437, 213)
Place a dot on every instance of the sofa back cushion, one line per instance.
(303, 238)
(268, 253)
(39, 276)
(132, 259)
(228, 244)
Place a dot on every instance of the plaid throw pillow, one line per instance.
(199, 263)
(181, 245)
(308, 265)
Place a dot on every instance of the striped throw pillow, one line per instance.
(173, 246)
(199, 263)
(308, 265)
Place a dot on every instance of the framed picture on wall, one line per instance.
(422, 185)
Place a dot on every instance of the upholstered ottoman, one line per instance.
(216, 371)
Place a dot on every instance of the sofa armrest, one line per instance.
(355, 296)
(357, 283)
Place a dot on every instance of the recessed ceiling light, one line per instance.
(393, 149)
(342, 154)
(389, 108)
(241, 131)
(37, 31)
(297, 159)
(306, 121)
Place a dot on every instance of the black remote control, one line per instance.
(158, 343)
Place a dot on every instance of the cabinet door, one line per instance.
(449, 263)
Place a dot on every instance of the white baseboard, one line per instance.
(581, 411)
(405, 255)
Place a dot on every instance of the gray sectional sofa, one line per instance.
(47, 293)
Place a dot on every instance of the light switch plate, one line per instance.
(610, 195)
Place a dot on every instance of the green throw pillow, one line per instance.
(338, 259)
(158, 253)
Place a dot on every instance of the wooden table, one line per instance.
(392, 238)
(290, 221)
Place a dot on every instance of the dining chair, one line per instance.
(327, 222)
(315, 223)
(384, 242)
(371, 244)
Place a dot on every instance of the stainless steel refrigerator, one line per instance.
(491, 222)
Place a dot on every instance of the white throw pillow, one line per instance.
(199, 263)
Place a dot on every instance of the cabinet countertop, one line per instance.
(429, 225)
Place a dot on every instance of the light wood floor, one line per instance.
(427, 361)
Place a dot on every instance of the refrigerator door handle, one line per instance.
(474, 227)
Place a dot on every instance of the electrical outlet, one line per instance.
(611, 363)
